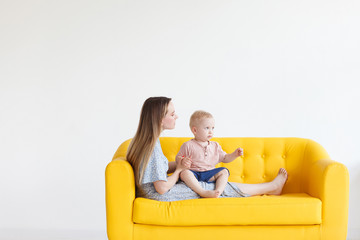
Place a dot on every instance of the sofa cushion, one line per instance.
(287, 209)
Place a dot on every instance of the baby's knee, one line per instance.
(224, 173)
(185, 173)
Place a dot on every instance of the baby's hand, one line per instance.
(186, 161)
(239, 152)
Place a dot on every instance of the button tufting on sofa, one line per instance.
(313, 204)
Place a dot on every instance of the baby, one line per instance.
(204, 155)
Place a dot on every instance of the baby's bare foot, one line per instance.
(279, 182)
(210, 194)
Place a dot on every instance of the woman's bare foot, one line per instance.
(279, 182)
(210, 194)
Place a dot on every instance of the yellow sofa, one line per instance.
(313, 205)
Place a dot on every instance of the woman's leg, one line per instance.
(272, 188)
(189, 179)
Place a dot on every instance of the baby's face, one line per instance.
(204, 130)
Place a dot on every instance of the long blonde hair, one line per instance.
(142, 145)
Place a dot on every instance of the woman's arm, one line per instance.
(172, 167)
(163, 186)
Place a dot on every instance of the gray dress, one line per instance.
(156, 170)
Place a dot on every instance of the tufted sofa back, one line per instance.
(261, 160)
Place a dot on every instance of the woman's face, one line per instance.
(169, 120)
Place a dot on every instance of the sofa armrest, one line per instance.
(120, 195)
(328, 180)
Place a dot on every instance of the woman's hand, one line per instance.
(183, 163)
(186, 162)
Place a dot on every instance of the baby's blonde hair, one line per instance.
(197, 116)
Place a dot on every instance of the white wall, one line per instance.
(74, 74)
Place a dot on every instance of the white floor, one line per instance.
(353, 234)
(21, 234)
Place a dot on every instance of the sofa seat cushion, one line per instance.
(287, 209)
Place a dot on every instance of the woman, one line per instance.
(151, 166)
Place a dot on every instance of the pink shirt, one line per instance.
(203, 158)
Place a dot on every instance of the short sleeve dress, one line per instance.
(156, 170)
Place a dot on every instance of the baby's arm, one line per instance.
(232, 156)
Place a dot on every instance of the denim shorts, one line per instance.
(206, 175)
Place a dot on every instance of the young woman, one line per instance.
(151, 166)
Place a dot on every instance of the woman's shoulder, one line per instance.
(158, 154)
(157, 147)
